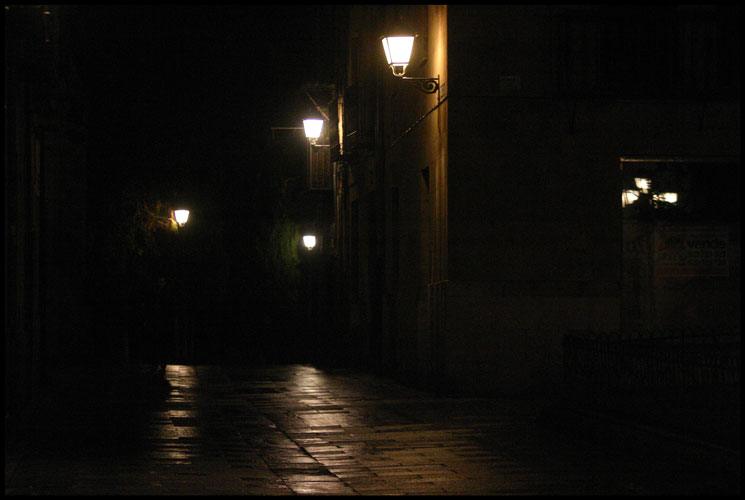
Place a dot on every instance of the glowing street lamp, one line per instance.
(313, 127)
(398, 54)
(185, 340)
(309, 241)
(181, 216)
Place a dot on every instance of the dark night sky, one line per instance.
(183, 97)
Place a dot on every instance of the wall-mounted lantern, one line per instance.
(398, 54)
(313, 127)
(181, 216)
(309, 241)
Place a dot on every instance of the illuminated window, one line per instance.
(643, 184)
(666, 197)
(628, 197)
(683, 190)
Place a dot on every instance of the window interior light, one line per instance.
(398, 52)
(671, 198)
(643, 184)
(628, 197)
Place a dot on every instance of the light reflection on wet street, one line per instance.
(300, 430)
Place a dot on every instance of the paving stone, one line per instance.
(320, 488)
(283, 430)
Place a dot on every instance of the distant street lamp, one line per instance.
(183, 337)
(313, 127)
(181, 216)
(309, 241)
(398, 54)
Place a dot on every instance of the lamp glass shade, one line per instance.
(181, 216)
(312, 128)
(309, 241)
(398, 52)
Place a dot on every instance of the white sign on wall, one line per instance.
(690, 251)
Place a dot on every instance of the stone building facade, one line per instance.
(477, 225)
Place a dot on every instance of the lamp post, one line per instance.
(398, 54)
(319, 155)
(312, 290)
(181, 216)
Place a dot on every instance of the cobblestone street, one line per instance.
(283, 430)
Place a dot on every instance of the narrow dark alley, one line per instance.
(362, 249)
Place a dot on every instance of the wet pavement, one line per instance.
(296, 429)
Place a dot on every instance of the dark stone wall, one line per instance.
(534, 217)
(46, 239)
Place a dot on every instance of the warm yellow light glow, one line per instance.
(666, 197)
(181, 216)
(628, 197)
(309, 241)
(313, 128)
(643, 184)
(398, 52)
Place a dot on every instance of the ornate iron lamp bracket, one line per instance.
(426, 85)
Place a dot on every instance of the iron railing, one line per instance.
(680, 368)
